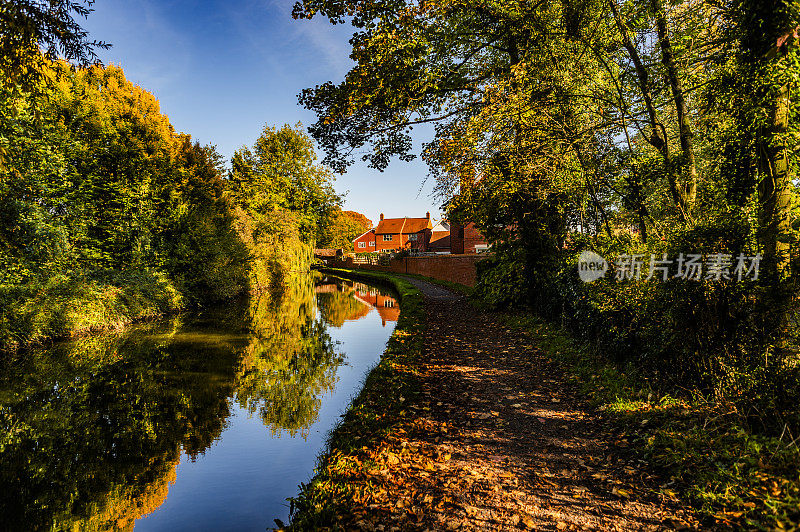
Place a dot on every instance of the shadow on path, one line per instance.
(502, 442)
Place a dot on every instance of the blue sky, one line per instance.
(222, 70)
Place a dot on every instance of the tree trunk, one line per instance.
(688, 188)
(775, 190)
(658, 138)
(767, 36)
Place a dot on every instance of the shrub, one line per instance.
(716, 338)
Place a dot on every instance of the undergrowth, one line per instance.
(62, 306)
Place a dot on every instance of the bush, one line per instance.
(502, 282)
(62, 306)
(208, 259)
(715, 338)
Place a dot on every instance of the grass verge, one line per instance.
(376, 412)
(735, 478)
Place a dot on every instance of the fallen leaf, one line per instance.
(621, 493)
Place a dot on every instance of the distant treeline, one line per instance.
(108, 215)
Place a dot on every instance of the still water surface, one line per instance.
(206, 422)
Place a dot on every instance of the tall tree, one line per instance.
(770, 53)
(28, 26)
(280, 173)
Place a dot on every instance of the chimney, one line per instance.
(381, 216)
(428, 215)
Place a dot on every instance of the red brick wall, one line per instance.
(464, 238)
(367, 238)
(396, 243)
(400, 241)
(454, 268)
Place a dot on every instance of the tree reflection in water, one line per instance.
(290, 361)
(91, 431)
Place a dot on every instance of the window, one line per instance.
(481, 248)
(371, 243)
(412, 236)
(362, 244)
(387, 238)
(388, 303)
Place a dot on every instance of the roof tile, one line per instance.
(402, 225)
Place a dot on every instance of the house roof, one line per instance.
(441, 225)
(402, 225)
(364, 234)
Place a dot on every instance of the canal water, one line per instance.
(208, 422)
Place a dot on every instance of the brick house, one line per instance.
(365, 243)
(440, 237)
(466, 239)
(393, 234)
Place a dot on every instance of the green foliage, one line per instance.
(62, 305)
(502, 281)
(28, 26)
(105, 210)
(205, 254)
(279, 174)
(622, 127)
(96, 180)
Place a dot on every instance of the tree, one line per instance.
(97, 180)
(624, 126)
(280, 173)
(28, 26)
(341, 228)
(519, 88)
(768, 34)
(363, 222)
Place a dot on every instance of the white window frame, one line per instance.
(362, 245)
(387, 238)
(412, 236)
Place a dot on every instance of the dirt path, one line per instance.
(500, 442)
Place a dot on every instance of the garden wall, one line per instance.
(454, 268)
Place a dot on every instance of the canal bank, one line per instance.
(467, 424)
(378, 412)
